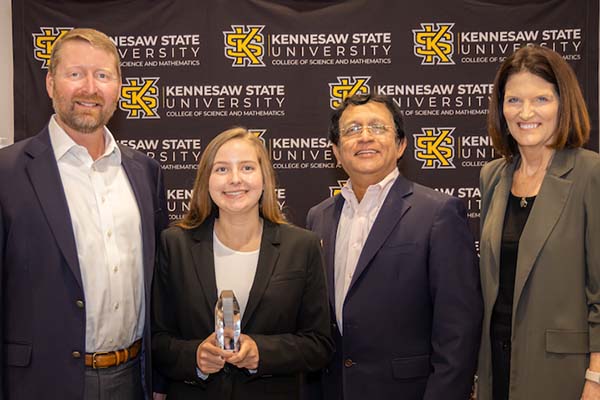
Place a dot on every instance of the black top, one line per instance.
(517, 212)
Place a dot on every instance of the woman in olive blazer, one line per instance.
(537, 110)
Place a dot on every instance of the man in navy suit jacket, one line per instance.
(79, 219)
(401, 267)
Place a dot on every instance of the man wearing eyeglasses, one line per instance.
(401, 266)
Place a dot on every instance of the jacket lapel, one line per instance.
(494, 220)
(45, 179)
(331, 216)
(204, 262)
(143, 195)
(545, 213)
(267, 259)
(393, 209)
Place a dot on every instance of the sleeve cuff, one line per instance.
(201, 375)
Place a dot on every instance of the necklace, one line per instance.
(523, 202)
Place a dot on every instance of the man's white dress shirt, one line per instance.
(108, 234)
(353, 229)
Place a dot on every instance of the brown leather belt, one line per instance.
(106, 359)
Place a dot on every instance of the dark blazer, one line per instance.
(287, 314)
(43, 324)
(556, 306)
(412, 314)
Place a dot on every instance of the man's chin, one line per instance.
(86, 127)
(84, 124)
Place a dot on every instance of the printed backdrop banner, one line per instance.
(193, 69)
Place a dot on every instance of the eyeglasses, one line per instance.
(374, 129)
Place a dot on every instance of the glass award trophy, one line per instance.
(228, 321)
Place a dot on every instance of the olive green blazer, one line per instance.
(556, 304)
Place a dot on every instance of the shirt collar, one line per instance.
(348, 193)
(62, 143)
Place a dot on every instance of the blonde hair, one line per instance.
(95, 38)
(202, 205)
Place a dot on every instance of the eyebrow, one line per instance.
(545, 93)
(240, 162)
(370, 121)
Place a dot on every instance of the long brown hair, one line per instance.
(202, 205)
(573, 126)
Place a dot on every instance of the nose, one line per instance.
(526, 111)
(365, 130)
(89, 84)
(235, 176)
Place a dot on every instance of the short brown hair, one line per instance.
(93, 37)
(573, 126)
(202, 205)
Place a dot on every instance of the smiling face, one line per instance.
(84, 88)
(236, 182)
(368, 158)
(530, 108)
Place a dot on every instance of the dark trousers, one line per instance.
(500, 367)
(123, 382)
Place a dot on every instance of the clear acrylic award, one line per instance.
(228, 321)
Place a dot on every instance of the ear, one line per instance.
(49, 84)
(400, 148)
(336, 153)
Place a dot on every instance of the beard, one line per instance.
(83, 120)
